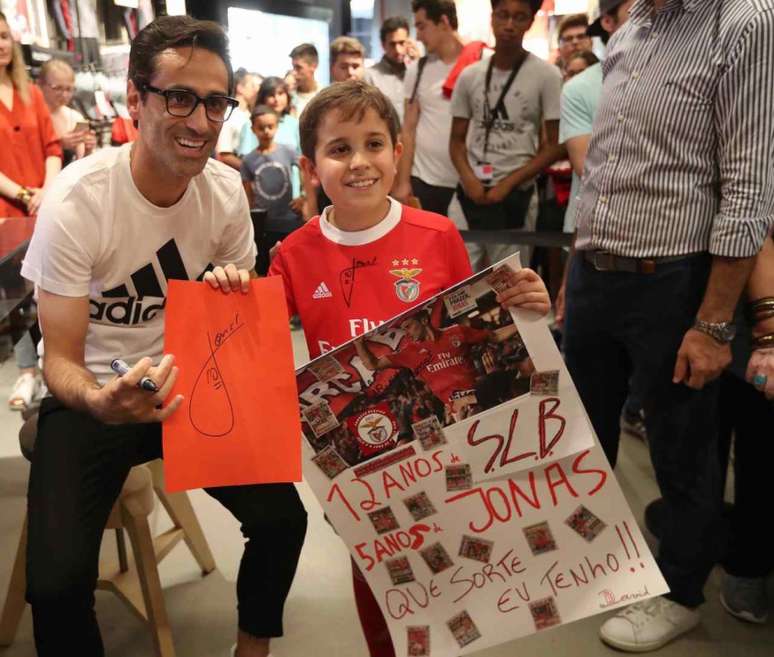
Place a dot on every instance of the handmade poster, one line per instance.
(451, 452)
(232, 350)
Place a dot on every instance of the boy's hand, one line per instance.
(229, 279)
(528, 291)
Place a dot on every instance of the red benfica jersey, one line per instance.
(343, 284)
(444, 363)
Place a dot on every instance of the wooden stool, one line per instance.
(134, 579)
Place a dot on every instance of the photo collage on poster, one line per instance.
(411, 378)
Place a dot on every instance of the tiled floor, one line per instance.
(320, 617)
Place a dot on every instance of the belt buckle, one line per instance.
(604, 257)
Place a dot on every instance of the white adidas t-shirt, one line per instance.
(96, 235)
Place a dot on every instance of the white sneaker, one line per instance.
(648, 625)
(233, 651)
(24, 391)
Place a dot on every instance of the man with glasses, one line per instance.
(573, 37)
(111, 232)
(501, 107)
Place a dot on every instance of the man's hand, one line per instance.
(297, 205)
(412, 52)
(229, 279)
(559, 306)
(700, 360)
(499, 192)
(760, 371)
(122, 401)
(528, 292)
(475, 191)
(33, 205)
(402, 192)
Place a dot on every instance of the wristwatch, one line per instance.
(24, 195)
(723, 332)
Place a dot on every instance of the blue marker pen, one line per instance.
(121, 368)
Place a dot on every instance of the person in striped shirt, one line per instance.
(677, 201)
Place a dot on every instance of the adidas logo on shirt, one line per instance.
(322, 292)
(140, 299)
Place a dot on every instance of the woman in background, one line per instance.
(30, 157)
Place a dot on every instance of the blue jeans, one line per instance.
(620, 325)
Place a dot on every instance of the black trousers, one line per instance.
(749, 416)
(78, 468)
(621, 323)
(433, 198)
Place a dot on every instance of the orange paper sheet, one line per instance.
(239, 422)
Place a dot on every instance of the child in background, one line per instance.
(267, 174)
(349, 141)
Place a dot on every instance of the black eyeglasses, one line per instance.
(182, 103)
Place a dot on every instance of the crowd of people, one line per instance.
(666, 310)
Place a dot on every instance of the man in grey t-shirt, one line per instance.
(500, 107)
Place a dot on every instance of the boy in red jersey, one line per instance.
(367, 258)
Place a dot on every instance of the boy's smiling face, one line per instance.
(355, 161)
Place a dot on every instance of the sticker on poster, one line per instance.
(325, 368)
(436, 557)
(540, 538)
(501, 278)
(329, 461)
(383, 520)
(400, 570)
(477, 549)
(320, 418)
(460, 302)
(418, 640)
(544, 613)
(458, 477)
(585, 523)
(463, 628)
(544, 383)
(420, 506)
(429, 432)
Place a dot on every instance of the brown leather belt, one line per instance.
(606, 261)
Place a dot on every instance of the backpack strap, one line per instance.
(420, 67)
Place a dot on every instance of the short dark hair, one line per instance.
(353, 99)
(437, 8)
(392, 24)
(534, 5)
(305, 51)
(269, 87)
(573, 20)
(175, 32)
(262, 110)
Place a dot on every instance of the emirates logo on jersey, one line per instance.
(407, 288)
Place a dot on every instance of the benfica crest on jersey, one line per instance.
(407, 287)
